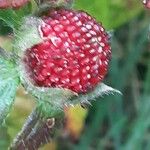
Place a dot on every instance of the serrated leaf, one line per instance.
(8, 84)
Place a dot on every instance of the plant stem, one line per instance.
(27, 128)
(42, 134)
(36, 132)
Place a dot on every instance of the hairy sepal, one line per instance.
(57, 99)
(27, 36)
(9, 82)
(100, 90)
(50, 101)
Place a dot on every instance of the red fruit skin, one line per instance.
(74, 54)
(146, 3)
(15, 4)
(4, 4)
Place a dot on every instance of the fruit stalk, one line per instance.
(27, 128)
(36, 132)
(41, 134)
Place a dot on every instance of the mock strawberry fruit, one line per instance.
(74, 52)
(146, 3)
(12, 3)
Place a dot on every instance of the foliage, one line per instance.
(8, 86)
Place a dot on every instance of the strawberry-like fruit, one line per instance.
(74, 54)
(146, 3)
(15, 4)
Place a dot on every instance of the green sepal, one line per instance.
(100, 90)
(50, 101)
(27, 35)
(47, 110)
(56, 98)
(9, 82)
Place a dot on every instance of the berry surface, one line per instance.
(4, 4)
(74, 54)
(146, 3)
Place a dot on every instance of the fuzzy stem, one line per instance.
(41, 134)
(36, 132)
(27, 128)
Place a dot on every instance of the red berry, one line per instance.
(74, 54)
(12, 3)
(4, 4)
(146, 3)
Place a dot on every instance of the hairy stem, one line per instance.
(27, 128)
(42, 134)
(36, 132)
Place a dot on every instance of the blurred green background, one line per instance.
(115, 122)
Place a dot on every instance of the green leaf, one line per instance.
(4, 29)
(4, 138)
(8, 84)
(13, 18)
